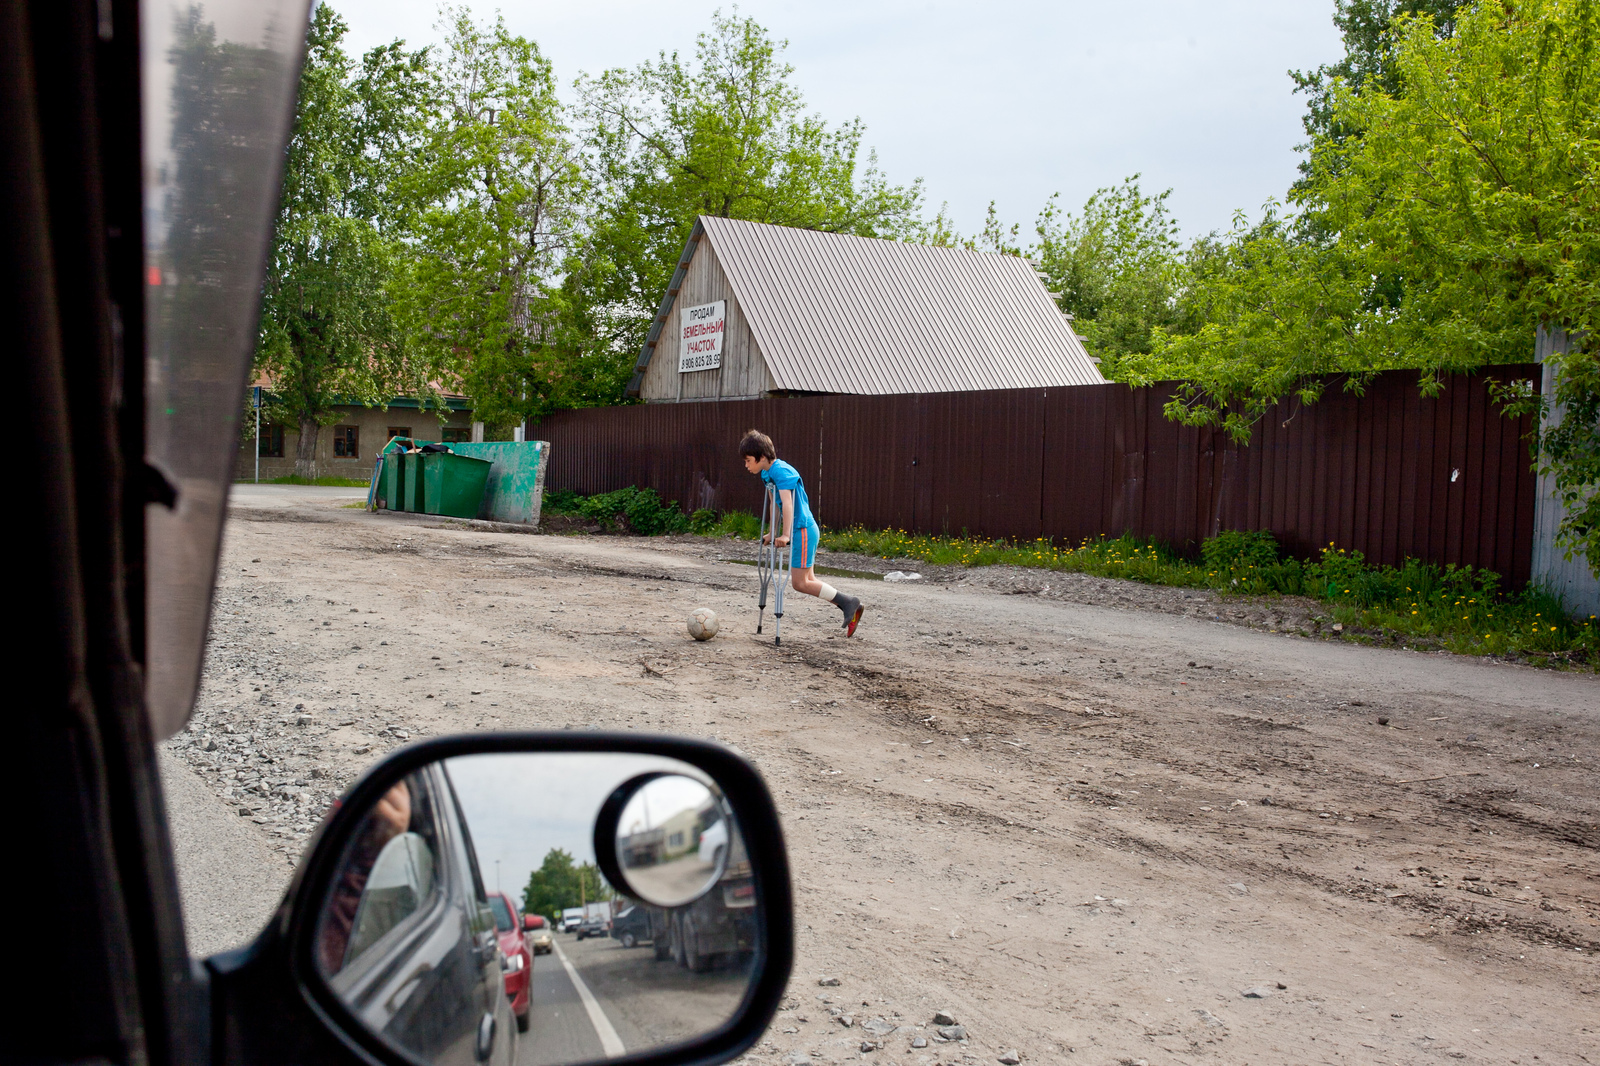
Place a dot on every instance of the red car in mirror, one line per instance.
(508, 924)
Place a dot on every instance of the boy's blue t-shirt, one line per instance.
(784, 476)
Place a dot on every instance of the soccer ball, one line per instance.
(703, 624)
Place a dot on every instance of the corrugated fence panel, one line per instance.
(1386, 471)
(1076, 489)
(866, 476)
(979, 463)
(1009, 429)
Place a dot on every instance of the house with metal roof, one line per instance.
(758, 310)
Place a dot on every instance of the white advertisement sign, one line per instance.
(700, 337)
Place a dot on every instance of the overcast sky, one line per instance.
(1003, 101)
(519, 806)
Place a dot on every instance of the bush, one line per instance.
(738, 524)
(1340, 576)
(629, 510)
(562, 501)
(636, 510)
(1248, 561)
(1235, 549)
(703, 521)
(1286, 578)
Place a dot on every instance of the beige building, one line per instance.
(757, 310)
(349, 447)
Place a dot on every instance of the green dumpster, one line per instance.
(454, 484)
(411, 476)
(391, 483)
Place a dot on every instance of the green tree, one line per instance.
(1367, 29)
(1455, 219)
(725, 134)
(1266, 311)
(551, 885)
(326, 333)
(560, 883)
(1476, 184)
(1118, 267)
(494, 226)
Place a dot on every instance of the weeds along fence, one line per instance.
(1387, 472)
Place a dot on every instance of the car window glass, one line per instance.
(468, 852)
(502, 914)
(401, 879)
(390, 869)
(479, 918)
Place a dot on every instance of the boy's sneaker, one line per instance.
(851, 606)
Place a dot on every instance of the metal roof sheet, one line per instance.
(838, 313)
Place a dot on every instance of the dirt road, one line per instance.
(1094, 834)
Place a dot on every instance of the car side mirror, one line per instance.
(388, 941)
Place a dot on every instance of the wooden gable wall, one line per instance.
(743, 374)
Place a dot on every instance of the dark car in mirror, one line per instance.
(631, 926)
(407, 937)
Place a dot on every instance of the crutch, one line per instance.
(772, 564)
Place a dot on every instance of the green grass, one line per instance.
(1458, 609)
(329, 482)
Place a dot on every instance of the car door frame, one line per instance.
(114, 982)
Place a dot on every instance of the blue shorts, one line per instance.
(803, 548)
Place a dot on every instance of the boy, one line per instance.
(761, 458)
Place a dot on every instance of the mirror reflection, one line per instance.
(672, 840)
(470, 923)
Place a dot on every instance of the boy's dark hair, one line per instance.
(757, 445)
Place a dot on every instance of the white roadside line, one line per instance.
(610, 1042)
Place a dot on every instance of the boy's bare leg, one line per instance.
(805, 580)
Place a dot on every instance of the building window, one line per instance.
(398, 431)
(271, 442)
(457, 436)
(346, 442)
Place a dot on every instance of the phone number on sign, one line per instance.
(702, 361)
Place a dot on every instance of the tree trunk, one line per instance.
(305, 453)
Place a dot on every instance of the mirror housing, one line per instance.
(271, 994)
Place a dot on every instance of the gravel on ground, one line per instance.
(1093, 821)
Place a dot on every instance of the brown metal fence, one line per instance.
(1388, 472)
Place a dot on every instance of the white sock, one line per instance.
(828, 591)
